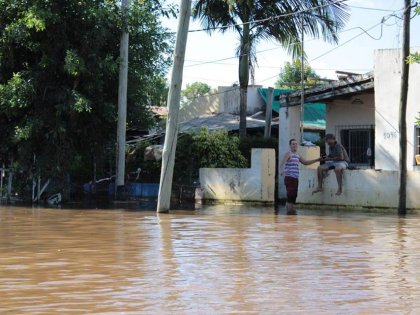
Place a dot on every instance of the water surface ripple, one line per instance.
(215, 261)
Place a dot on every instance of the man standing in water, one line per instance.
(290, 170)
(336, 160)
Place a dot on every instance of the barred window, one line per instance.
(359, 143)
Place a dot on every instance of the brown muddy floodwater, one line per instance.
(219, 260)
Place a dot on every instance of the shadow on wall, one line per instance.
(203, 105)
(384, 159)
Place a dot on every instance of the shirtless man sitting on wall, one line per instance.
(337, 160)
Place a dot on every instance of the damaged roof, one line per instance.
(344, 88)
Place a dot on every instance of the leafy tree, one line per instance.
(193, 91)
(290, 76)
(158, 94)
(279, 20)
(59, 77)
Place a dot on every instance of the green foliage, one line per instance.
(193, 91)
(290, 76)
(59, 64)
(159, 92)
(194, 151)
(418, 119)
(16, 93)
(73, 64)
(217, 149)
(206, 149)
(254, 22)
(414, 58)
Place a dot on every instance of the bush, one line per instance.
(206, 149)
(194, 151)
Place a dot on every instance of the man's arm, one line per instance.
(309, 162)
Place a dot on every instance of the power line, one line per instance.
(353, 38)
(268, 19)
(270, 67)
(273, 48)
(228, 58)
(371, 9)
(384, 18)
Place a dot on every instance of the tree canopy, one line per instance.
(269, 20)
(59, 78)
(290, 76)
(193, 91)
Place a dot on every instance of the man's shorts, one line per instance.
(336, 164)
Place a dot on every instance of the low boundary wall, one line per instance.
(361, 188)
(255, 184)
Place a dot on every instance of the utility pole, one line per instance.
(174, 96)
(268, 113)
(402, 195)
(122, 102)
(302, 83)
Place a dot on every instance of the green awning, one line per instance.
(276, 94)
(314, 113)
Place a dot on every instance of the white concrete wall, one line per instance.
(363, 188)
(289, 128)
(204, 105)
(224, 99)
(387, 94)
(343, 113)
(230, 100)
(255, 103)
(235, 184)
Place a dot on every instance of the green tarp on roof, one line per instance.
(314, 113)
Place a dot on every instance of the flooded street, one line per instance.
(219, 260)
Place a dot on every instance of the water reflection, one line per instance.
(213, 261)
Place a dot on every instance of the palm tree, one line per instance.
(281, 20)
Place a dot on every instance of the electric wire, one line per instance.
(268, 19)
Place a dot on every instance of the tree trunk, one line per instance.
(174, 96)
(122, 103)
(244, 59)
(402, 208)
(268, 113)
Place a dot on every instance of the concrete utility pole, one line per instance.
(122, 102)
(268, 113)
(302, 84)
(174, 96)
(402, 196)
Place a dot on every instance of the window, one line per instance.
(359, 143)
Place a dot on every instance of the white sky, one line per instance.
(355, 56)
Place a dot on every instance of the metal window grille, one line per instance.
(417, 140)
(359, 141)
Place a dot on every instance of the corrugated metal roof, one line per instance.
(220, 121)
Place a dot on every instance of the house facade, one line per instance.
(363, 112)
(387, 96)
